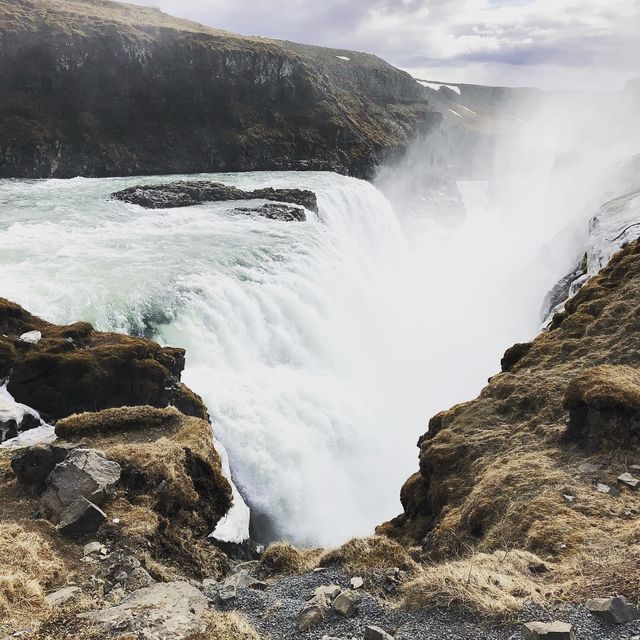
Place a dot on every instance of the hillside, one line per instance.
(99, 88)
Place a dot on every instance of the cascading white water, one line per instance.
(320, 348)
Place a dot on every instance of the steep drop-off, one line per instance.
(537, 461)
(99, 88)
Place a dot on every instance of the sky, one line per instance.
(574, 44)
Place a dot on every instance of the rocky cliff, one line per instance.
(99, 88)
(546, 458)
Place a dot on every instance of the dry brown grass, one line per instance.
(605, 387)
(282, 558)
(29, 567)
(170, 467)
(496, 584)
(364, 554)
(226, 626)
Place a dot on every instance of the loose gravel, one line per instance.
(274, 613)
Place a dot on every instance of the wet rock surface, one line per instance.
(187, 193)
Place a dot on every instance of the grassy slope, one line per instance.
(494, 472)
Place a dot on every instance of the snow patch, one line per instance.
(12, 411)
(43, 434)
(234, 526)
(31, 337)
(436, 86)
(467, 109)
(455, 113)
(343, 58)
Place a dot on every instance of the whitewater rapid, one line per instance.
(320, 348)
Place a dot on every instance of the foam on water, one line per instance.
(320, 348)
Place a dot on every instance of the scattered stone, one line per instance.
(312, 613)
(62, 596)
(81, 517)
(346, 604)
(568, 498)
(243, 580)
(635, 467)
(94, 547)
(376, 633)
(164, 611)
(538, 568)
(85, 473)
(356, 582)
(628, 480)
(31, 337)
(138, 579)
(605, 488)
(548, 631)
(587, 467)
(616, 610)
(330, 591)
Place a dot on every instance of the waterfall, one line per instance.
(320, 348)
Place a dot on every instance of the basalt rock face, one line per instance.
(186, 193)
(503, 470)
(74, 368)
(99, 88)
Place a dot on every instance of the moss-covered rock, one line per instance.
(73, 368)
(495, 472)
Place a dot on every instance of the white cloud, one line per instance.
(525, 42)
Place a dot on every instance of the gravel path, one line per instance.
(274, 613)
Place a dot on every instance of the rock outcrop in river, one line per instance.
(100, 88)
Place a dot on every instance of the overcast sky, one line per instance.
(546, 43)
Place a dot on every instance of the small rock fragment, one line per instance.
(81, 517)
(568, 498)
(587, 467)
(616, 610)
(548, 631)
(356, 582)
(93, 547)
(628, 480)
(538, 568)
(330, 591)
(312, 613)
(62, 596)
(376, 633)
(346, 604)
(605, 488)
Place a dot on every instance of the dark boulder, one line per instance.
(32, 465)
(281, 212)
(186, 193)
